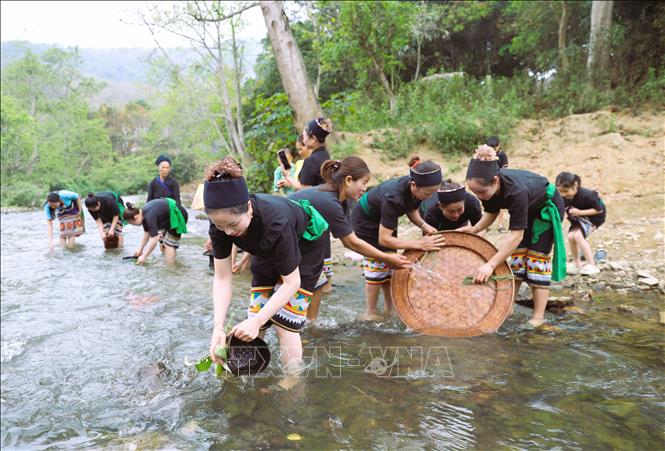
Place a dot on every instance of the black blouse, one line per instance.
(157, 191)
(310, 174)
(522, 193)
(274, 232)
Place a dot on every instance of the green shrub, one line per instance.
(653, 89)
(452, 115)
(344, 149)
(269, 129)
(23, 194)
(395, 144)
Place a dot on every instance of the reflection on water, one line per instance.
(93, 350)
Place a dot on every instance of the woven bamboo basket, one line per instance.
(432, 297)
(111, 242)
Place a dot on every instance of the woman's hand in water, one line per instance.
(207, 246)
(140, 260)
(218, 338)
(138, 252)
(431, 242)
(242, 264)
(484, 273)
(248, 330)
(398, 261)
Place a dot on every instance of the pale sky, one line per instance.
(94, 24)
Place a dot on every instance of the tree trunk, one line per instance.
(384, 82)
(601, 21)
(33, 114)
(317, 83)
(237, 61)
(290, 64)
(229, 121)
(419, 43)
(563, 25)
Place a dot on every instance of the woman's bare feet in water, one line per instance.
(370, 316)
(536, 322)
(292, 375)
(288, 382)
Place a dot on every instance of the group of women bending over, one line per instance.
(163, 218)
(289, 237)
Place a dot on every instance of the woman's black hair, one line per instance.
(130, 212)
(333, 172)
(448, 184)
(319, 128)
(568, 180)
(492, 141)
(91, 200)
(53, 197)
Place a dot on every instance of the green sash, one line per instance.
(550, 218)
(317, 223)
(177, 220)
(365, 206)
(121, 207)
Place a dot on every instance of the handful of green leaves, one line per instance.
(205, 363)
(468, 280)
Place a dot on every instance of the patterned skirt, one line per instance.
(71, 222)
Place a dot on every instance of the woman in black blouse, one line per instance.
(536, 209)
(164, 185)
(285, 239)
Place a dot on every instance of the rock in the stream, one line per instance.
(662, 318)
(620, 265)
(574, 310)
(568, 282)
(650, 281)
(623, 308)
(523, 292)
(548, 328)
(644, 273)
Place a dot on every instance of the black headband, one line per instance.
(451, 196)
(482, 169)
(225, 193)
(313, 128)
(161, 159)
(432, 178)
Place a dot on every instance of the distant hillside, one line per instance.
(124, 70)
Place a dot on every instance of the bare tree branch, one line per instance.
(201, 18)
